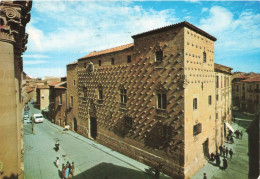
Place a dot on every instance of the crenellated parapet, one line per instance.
(14, 15)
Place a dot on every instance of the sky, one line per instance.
(60, 32)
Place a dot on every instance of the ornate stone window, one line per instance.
(161, 96)
(197, 129)
(123, 96)
(159, 56)
(195, 103)
(128, 122)
(217, 82)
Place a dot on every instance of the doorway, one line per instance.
(93, 127)
(206, 148)
(75, 124)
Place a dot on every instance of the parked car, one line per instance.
(26, 115)
(38, 118)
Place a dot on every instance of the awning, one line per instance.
(230, 127)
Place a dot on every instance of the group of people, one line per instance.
(239, 134)
(224, 151)
(68, 170)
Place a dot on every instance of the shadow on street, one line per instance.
(111, 171)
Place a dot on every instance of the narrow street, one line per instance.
(91, 160)
(238, 166)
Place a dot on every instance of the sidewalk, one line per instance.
(238, 166)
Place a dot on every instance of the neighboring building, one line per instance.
(72, 95)
(58, 103)
(246, 92)
(153, 100)
(42, 97)
(223, 77)
(14, 16)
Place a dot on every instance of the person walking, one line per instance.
(217, 159)
(57, 162)
(33, 131)
(72, 169)
(220, 149)
(67, 172)
(204, 176)
(230, 153)
(226, 151)
(225, 165)
(63, 171)
(241, 134)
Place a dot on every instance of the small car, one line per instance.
(38, 118)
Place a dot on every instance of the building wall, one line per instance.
(60, 106)
(223, 106)
(72, 90)
(44, 98)
(246, 96)
(200, 84)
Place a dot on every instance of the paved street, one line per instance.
(91, 160)
(238, 167)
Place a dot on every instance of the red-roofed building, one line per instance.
(246, 93)
(154, 99)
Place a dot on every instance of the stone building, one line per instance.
(42, 97)
(223, 98)
(58, 103)
(246, 92)
(14, 16)
(72, 95)
(153, 100)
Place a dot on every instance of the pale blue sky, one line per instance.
(60, 32)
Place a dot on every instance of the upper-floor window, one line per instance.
(216, 115)
(100, 94)
(71, 101)
(161, 101)
(237, 87)
(195, 103)
(99, 62)
(129, 59)
(123, 96)
(60, 98)
(257, 86)
(209, 100)
(217, 81)
(217, 97)
(84, 91)
(74, 82)
(159, 56)
(204, 57)
(197, 129)
(85, 65)
(112, 61)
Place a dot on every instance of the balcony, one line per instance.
(257, 90)
(250, 90)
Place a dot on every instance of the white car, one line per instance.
(38, 118)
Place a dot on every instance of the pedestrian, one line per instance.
(226, 151)
(231, 140)
(230, 153)
(33, 128)
(204, 176)
(158, 170)
(67, 172)
(72, 169)
(241, 134)
(57, 162)
(220, 149)
(225, 165)
(63, 171)
(217, 159)
(212, 157)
